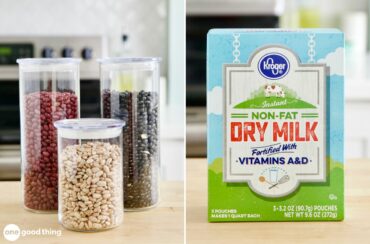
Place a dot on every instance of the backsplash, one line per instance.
(145, 22)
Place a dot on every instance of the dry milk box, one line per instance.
(275, 125)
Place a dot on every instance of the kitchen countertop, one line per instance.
(163, 224)
(354, 229)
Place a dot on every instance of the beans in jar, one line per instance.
(41, 167)
(91, 186)
(139, 110)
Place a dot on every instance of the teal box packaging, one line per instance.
(275, 125)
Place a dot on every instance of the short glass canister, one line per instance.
(90, 174)
(49, 91)
(130, 92)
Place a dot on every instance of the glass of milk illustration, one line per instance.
(273, 173)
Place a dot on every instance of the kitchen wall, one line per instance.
(330, 11)
(145, 22)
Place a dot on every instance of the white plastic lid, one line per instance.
(89, 128)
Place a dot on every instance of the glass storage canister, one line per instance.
(90, 174)
(130, 92)
(49, 90)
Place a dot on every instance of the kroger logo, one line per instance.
(273, 66)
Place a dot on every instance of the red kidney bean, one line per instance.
(41, 166)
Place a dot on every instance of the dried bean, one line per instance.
(41, 164)
(85, 200)
(139, 110)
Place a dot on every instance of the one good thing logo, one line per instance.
(11, 232)
(273, 66)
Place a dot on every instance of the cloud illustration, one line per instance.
(214, 101)
(335, 61)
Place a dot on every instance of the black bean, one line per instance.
(140, 154)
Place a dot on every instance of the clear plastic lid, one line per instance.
(95, 128)
(123, 60)
(49, 65)
(48, 61)
(133, 64)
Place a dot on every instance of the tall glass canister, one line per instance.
(49, 90)
(130, 92)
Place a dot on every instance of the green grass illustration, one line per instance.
(259, 101)
(274, 102)
(239, 196)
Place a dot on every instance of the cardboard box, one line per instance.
(275, 125)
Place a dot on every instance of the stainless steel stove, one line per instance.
(88, 48)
